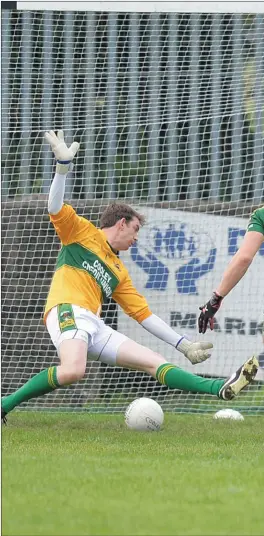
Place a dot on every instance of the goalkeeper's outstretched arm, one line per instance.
(64, 156)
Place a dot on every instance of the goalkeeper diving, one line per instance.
(89, 271)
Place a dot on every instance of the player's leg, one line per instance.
(135, 356)
(113, 348)
(73, 355)
(73, 358)
(70, 337)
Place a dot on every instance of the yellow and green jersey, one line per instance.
(256, 222)
(88, 271)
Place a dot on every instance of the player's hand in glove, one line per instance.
(63, 154)
(208, 311)
(196, 352)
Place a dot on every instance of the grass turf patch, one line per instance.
(76, 475)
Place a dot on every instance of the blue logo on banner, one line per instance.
(178, 247)
(235, 236)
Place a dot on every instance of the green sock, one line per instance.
(177, 378)
(39, 385)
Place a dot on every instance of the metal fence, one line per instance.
(166, 106)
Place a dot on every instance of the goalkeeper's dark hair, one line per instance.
(116, 211)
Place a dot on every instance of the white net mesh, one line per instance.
(168, 109)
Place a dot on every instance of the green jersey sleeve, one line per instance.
(256, 222)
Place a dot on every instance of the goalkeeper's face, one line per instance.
(127, 233)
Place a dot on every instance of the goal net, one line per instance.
(169, 112)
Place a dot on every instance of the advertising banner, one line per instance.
(177, 262)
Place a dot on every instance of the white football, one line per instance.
(229, 414)
(144, 414)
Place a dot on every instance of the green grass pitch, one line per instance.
(83, 474)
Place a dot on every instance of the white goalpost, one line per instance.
(167, 102)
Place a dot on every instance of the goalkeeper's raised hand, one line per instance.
(63, 154)
(208, 311)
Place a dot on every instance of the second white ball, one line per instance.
(229, 414)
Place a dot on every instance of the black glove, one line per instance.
(208, 312)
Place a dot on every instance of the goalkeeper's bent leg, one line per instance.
(41, 384)
(73, 355)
